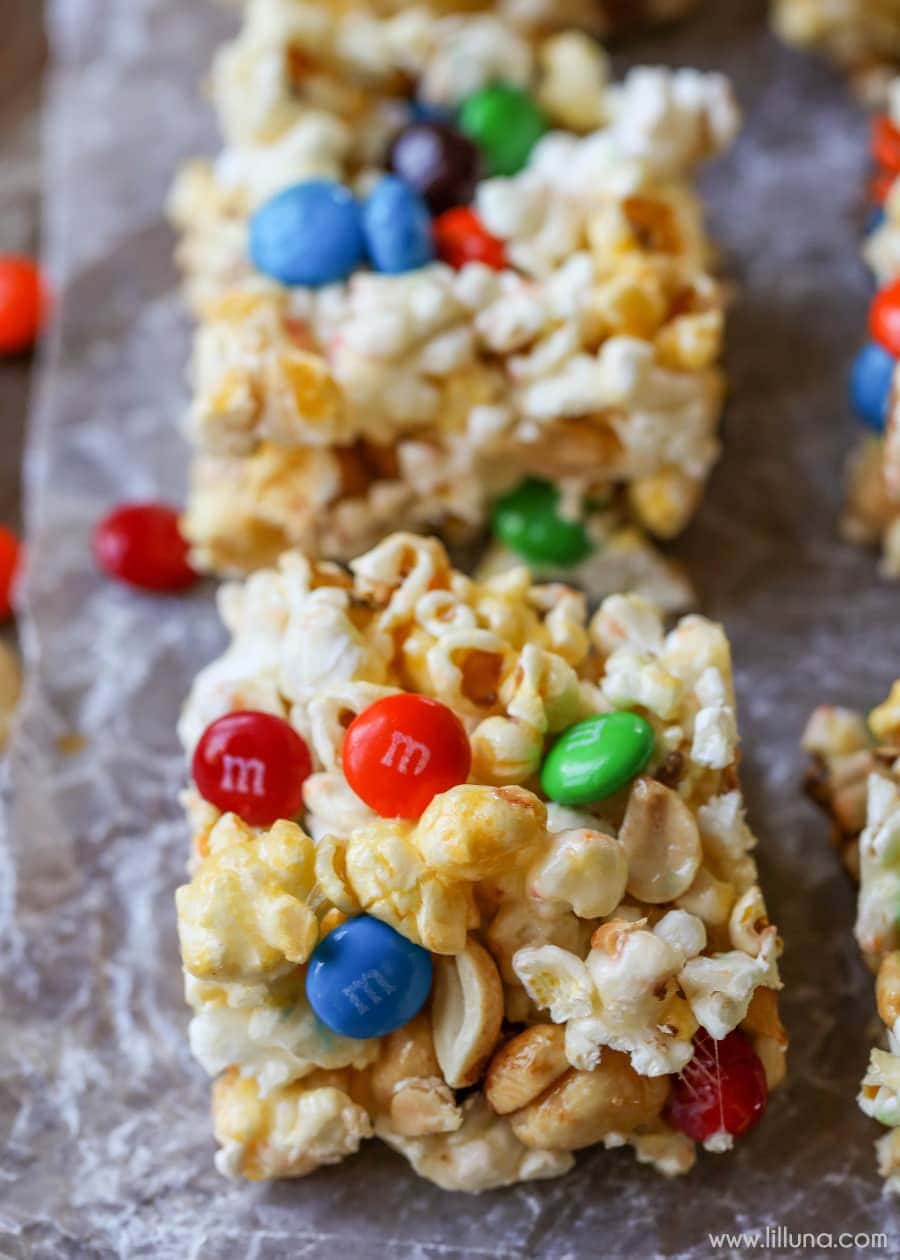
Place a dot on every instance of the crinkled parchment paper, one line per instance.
(105, 1147)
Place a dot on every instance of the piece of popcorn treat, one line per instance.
(855, 778)
(470, 873)
(443, 260)
(872, 504)
(861, 35)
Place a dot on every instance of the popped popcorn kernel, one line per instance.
(244, 916)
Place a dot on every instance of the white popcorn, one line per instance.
(674, 118)
(619, 996)
(271, 1044)
(879, 1095)
(555, 979)
(719, 988)
(633, 678)
(683, 932)
(293, 1132)
(715, 736)
(472, 55)
(582, 869)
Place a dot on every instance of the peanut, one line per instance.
(661, 842)
(583, 1107)
(527, 1065)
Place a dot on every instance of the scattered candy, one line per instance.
(402, 751)
(438, 161)
(310, 234)
(254, 765)
(722, 1090)
(365, 980)
(506, 123)
(871, 380)
(10, 563)
(595, 758)
(527, 520)
(884, 318)
(22, 303)
(460, 237)
(397, 227)
(141, 544)
(885, 143)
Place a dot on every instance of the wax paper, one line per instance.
(105, 1146)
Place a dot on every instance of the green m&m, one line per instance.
(596, 757)
(527, 520)
(506, 123)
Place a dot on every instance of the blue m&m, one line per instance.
(310, 234)
(871, 379)
(397, 227)
(364, 979)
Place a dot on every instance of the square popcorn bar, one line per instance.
(469, 873)
(872, 509)
(863, 35)
(856, 780)
(508, 278)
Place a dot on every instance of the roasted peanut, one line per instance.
(523, 1068)
(467, 1011)
(583, 1107)
(661, 842)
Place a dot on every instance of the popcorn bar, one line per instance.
(470, 874)
(856, 780)
(863, 35)
(872, 511)
(447, 274)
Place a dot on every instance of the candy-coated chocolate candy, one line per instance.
(426, 111)
(141, 544)
(364, 979)
(722, 1090)
(252, 764)
(884, 318)
(460, 237)
(885, 143)
(506, 123)
(397, 227)
(22, 303)
(871, 381)
(310, 234)
(527, 520)
(10, 564)
(874, 220)
(596, 757)
(402, 751)
(438, 161)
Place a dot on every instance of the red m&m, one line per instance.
(460, 237)
(403, 751)
(252, 764)
(10, 562)
(22, 304)
(885, 143)
(722, 1090)
(141, 544)
(884, 318)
